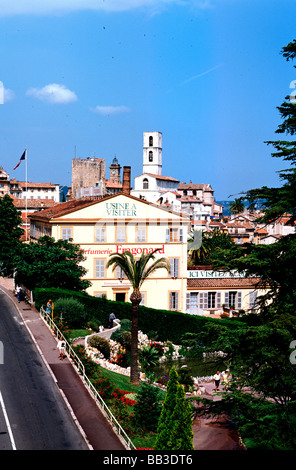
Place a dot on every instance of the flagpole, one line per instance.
(26, 195)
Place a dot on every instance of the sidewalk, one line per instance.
(93, 425)
(214, 433)
(209, 433)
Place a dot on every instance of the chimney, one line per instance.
(126, 181)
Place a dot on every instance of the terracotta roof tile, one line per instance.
(205, 187)
(37, 185)
(34, 203)
(219, 283)
(160, 177)
(112, 184)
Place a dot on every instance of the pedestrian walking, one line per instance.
(61, 347)
(111, 319)
(19, 293)
(216, 380)
(226, 380)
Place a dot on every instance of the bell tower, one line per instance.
(152, 153)
(115, 171)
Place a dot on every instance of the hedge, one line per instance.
(169, 325)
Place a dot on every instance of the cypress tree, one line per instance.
(182, 434)
(174, 430)
(165, 423)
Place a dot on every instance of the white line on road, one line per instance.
(7, 422)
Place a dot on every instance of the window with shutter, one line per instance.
(100, 234)
(181, 235)
(187, 302)
(203, 300)
(191, 303)
(253, 299)
(66, 233)
(174, 267)
(239, 300)
(172, 235)
(167, 235)
(218, 305)
(226, 299)
(120, 235)
(100, 268)
(141, 234)
(174, 300)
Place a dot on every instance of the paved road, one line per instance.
(33, 414)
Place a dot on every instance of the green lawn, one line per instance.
(79, 333)
(123, 382)
(141, 438)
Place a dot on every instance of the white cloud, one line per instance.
(17, 7)
(8, 95)
(5, 94)
(107, 110)
(53, 93)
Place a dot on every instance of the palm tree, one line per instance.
(237, 206)
(137, 271)
(199, 247)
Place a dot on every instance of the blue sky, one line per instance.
(88, 77)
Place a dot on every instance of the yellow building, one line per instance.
(115, 224)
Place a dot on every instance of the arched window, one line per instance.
(145, 183)
(150, 156)
(150, 141)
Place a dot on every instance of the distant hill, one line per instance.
(225, 205)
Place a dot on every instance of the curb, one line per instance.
(49, 370)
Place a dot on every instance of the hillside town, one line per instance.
(105, 213)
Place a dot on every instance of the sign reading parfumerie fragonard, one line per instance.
(207, 274)
(121, 209)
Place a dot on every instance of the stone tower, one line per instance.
(87, 173)
(115, 171)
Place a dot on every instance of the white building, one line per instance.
(29, 190)
(196, 200)
(151, 185)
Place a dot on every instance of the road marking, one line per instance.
(7, 422)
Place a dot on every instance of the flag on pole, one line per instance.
(23, 157)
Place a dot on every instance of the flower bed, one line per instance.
(114, 363)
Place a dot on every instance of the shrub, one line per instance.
(149, 356)
(71, 311)
(170, 324)
(125, 325)
(103, 385)
(148, 406)
(101, 344)
(94, 325)
(125, 339)
(185, 378)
